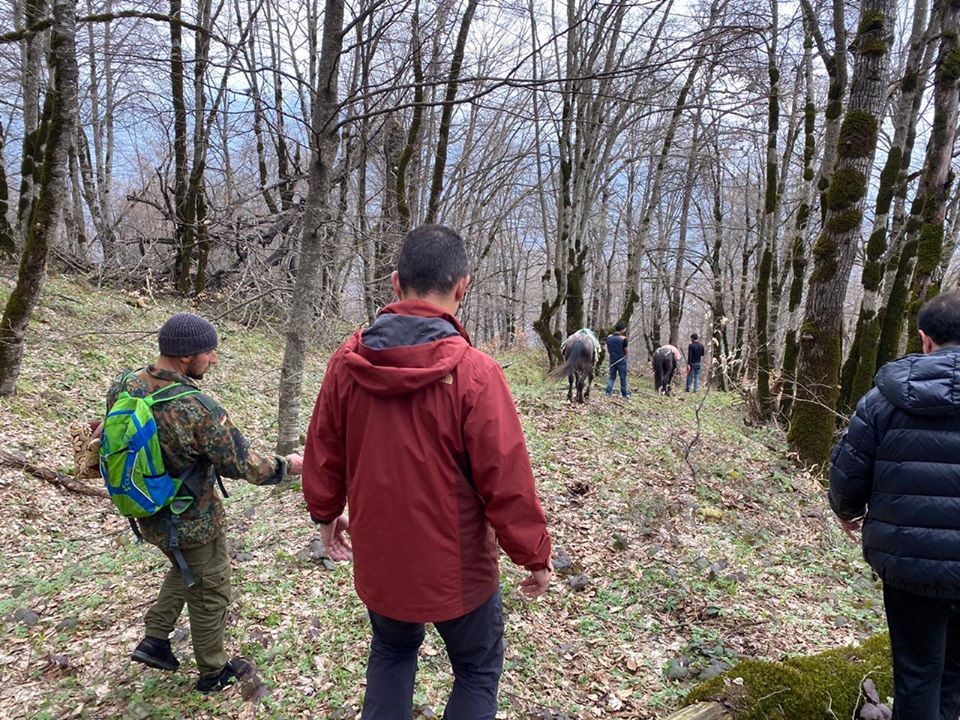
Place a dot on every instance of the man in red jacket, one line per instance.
(416, 431)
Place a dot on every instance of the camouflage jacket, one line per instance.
(191, 431)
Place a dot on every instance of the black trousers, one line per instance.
(475, 646)
(925, 635)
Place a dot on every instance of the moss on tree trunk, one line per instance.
(813, 421)
(937, 176)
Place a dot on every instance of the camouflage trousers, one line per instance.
(206, 602)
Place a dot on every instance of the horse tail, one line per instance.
(579, 356)
(562, 371)
(661, 362)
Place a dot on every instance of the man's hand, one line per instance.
(335, 539)
(296, 463)
(851, 527)
(537, 583)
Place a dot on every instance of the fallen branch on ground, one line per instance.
(16, 460)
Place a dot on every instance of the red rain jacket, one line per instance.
(417, 432)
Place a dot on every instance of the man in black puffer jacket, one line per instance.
(898, 468)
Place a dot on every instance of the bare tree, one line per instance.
(317, 230)
(798, 248)
(56, 129)
(771, 201)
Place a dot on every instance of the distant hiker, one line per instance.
(416, 431)
(199, 443)
(695, 351)
(897, 468)
(665, 362)
(617, 357)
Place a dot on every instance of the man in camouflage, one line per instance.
(199, 441)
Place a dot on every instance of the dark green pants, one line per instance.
(206, 602)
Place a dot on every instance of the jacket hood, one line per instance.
(923, 384)
(412, 344)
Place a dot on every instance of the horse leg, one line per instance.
(570, 387)
(589, 383)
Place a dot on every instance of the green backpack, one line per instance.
(131, 462)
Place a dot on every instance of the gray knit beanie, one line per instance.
(187, 334)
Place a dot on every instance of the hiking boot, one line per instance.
(156, 653)
(235, 669)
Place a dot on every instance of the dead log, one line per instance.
(16, 460)
(702, 711)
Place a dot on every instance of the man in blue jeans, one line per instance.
(695, 351)
(617, 356)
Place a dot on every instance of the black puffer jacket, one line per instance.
(900, 461)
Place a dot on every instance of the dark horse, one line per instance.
(664, 367)
(579, 358)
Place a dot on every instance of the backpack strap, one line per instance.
(194, 477)
(136, 529)
(211, 405)
(171, 392)
(214, 408)
(175, 550)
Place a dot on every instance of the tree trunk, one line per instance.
(31, 59)
(798, 259)
(675, 303)
(813, 421)
(97, 171)
(443, 134)
(75, 221)
(764, 362)
(836, 64)
(8, 246)
(184, 214)
(258, 110)
(284, 171)
(901, 255)
(931, 203)
(742, 310)
(316, 226)
(399, 153)
(858, 371)
(721, 323)
(58, 127)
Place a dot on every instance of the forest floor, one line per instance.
(689, 566)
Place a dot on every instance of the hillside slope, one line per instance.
(684, 567)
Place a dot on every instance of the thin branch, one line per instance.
(46, 23)
(16, 460)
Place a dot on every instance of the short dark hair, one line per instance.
(433, 259)
(940, 319)
(694, 337)
(619, 326)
